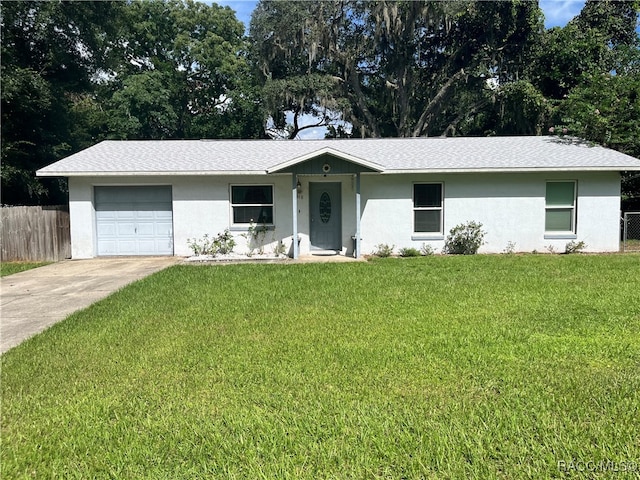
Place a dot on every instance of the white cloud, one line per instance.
(558, 12)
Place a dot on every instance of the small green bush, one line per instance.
(574, 247)
(223, 243)
(409, 252)
(383, 250)
(427, 250)
(464, 239)
(510, 249)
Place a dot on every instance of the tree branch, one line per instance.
(359, 98)
(451, 128)
(436, 102)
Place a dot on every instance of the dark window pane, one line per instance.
(427, 221)
(251, 194)
(559, 220)
(560, 193)
(427, 195)
(254, 214)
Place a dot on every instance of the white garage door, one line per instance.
(134, 220)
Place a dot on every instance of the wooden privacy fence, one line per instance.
(35, 233)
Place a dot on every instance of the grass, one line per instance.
(9, 268)
(631, 245)
(436, 367)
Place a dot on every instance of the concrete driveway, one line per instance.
(33, 300)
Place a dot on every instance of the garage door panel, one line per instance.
(146, 229)
(146, 215)
(163, 229)
(147, 247)
(163, 215)
(126, 229)
(126, 216)
(164, 247)
(106, 229)
(106, 215)
(134, 220)
(127, 247)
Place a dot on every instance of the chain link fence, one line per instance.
(631, 232)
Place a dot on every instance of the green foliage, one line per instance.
(605, 109)
(510, 249)
(409, 252)
(222, 244)
(464, 239)
(180, 75)
(75, 73)
(383, 250)
(523, 109)
(49, 52)
(392, 68)
(256, 237)
(143, 108)
(574, 247)
(427, 250)
(280, 248)
(513, 362)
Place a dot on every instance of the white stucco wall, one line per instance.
(82, 218)
(511, 208)
(200, 206)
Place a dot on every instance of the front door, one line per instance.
(326, 215)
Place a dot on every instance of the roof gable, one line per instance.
(326, 160)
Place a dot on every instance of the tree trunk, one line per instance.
(436, 103)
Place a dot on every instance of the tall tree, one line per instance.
(391, 68)
(592, 79)
(50, 50)
(182, 74)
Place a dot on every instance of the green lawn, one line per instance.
(632, 245)
(9, 268)
(437, 367)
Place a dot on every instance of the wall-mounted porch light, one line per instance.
(299, 187)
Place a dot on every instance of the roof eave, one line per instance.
(86, 173)
(513, 170)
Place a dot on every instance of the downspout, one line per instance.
(294, 202)
(357, 246)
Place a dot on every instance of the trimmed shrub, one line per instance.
(427, 250)
(574, 247)
(464, 239)
(383, 250)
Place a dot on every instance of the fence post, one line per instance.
(631, 229)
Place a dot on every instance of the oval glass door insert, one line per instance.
(325, 207)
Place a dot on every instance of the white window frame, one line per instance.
(419, 235)
(233, 205)
(573, 207)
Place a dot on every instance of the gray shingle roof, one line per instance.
(393, 155)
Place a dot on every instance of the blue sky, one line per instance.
(556, 12)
